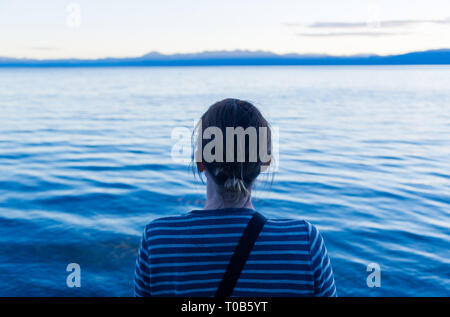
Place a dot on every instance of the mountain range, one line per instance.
(238, 58)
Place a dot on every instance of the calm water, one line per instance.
(85, 163)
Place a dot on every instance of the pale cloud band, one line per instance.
(386, 23)
(331, 34)
(366, 29)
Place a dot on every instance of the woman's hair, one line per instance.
(235, 166)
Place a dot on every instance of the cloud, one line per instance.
(386, 23)
(358, 28)
(338, 25)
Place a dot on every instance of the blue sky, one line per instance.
(99, 28)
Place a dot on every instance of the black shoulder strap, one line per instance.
(241, 255)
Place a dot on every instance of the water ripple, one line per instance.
(85, 164)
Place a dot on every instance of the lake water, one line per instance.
(85, 163)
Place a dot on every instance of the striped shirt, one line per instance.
(187, 256)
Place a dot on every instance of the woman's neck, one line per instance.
(215, 201)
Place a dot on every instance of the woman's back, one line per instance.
(187, 256)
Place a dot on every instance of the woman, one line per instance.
(227, 248)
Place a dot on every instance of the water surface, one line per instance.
(85, 163)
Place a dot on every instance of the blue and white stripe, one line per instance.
(188, 255)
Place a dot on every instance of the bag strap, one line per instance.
(240, 255)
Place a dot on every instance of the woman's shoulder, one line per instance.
(173, 220)
(289, 222)
(294, 225)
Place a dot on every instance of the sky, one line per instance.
(48, 29)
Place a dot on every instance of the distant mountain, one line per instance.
(239, 57)
(211, 55)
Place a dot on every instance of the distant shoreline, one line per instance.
(203, 65)
(239, 58)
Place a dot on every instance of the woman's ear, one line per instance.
(265, 166)
(200, 167)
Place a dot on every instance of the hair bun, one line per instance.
(235, 185)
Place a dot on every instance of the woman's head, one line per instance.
(233, 145)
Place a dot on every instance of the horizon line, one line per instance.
(239, 57)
